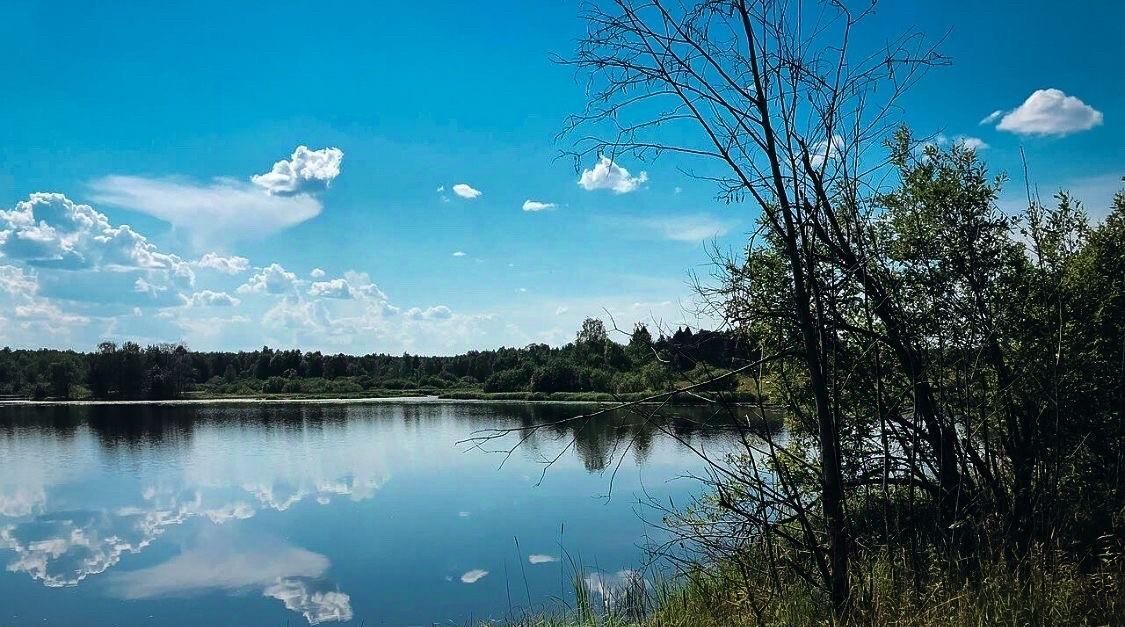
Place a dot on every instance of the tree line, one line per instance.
(593, 362)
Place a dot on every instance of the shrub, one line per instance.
(273, 385)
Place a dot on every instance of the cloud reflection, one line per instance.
(60, 538)
(315, 606)
(474, 576)
(289, 574)
(618, 590)
(539, 558)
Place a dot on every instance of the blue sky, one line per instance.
(157, 117)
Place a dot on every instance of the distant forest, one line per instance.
(592, 363)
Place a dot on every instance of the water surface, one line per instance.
(320, 513)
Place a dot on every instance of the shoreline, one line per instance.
(420, 399)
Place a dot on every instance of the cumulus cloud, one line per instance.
(52, 231)
(317, 273)
(304, 172)
(336, 311)
(351, 285)
(535, 205)
(15, 282)
(474, 576)
(273, 279)
(466, 191)
(608, 175)
(48, 317)
(79, 255)
(1049, 112)
(208, 298)
(440, 312)
(459, 253)
(227, 265)
(336, 288)
(539, 558)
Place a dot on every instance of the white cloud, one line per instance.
(336, 288)
(459, 253)
(16, 282)
(49, 315)
(35, 315)
(972, 143)
(208, 298)
(466, 191)
(81, 256)
(538, 558)
(440, 312)
(535, 205)
(689, 228)
(304, 172)
(474, 576)
(52, 231)
(992, 117)
(351, 285)
(273, 279)
(608, 175)
(1049, 112)
(227, 265)
(560, 310)
(222, 210)
(824, 150)
(317, 273)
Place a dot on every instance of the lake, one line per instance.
(275, 514)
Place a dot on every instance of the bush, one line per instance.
(630, 383)
(293, 386)
(556, 376)
(595, 380)
(397, 384)
(507, 381)
(273, 385)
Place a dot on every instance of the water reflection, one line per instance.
(83, 488)
(292, 575)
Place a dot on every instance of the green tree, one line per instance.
(62, 378)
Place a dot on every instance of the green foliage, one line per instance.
(592, 364)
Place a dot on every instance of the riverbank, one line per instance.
(1047, 588)
(419, 395)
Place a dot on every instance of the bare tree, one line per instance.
(785, 111)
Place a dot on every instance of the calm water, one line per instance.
(275, 514)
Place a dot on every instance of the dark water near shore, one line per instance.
(307, 513)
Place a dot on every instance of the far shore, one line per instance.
(335, 400)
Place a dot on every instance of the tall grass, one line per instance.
(1046, 590)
